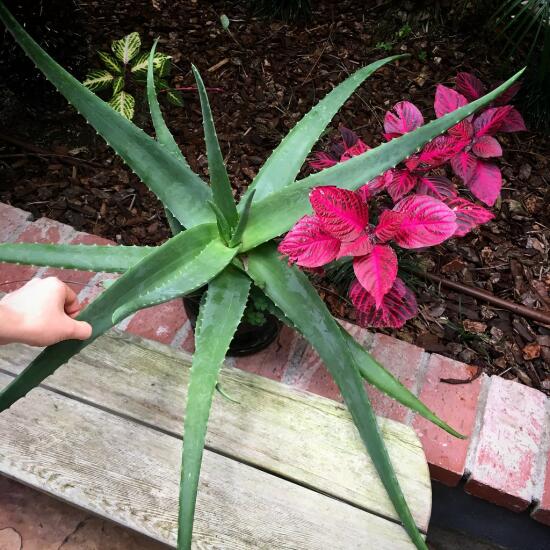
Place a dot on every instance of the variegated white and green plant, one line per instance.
(127, 66)
(228, 247)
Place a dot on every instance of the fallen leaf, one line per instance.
(531, 351)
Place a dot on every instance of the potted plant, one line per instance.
(230, 249)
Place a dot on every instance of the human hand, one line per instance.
(41, 313)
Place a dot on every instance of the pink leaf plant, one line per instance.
(340, 227)
(473, 138)
(427, 209)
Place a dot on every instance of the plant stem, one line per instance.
(518, 309)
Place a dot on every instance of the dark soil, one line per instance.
(271, 74)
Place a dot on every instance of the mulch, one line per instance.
(271, 73)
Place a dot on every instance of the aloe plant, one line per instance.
(227, 247)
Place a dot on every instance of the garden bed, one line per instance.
(272, 73)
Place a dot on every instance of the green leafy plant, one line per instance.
(525, 25)
(230, 248)
(125, 68)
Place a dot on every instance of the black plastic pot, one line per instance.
(248, 339)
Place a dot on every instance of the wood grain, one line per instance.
(119, 469)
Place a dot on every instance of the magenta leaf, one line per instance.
(494, 119)
(485, 182)
(463, 131)
(342, 213)
(397, 307)
(508, 95)
(435, 153)
(404, 117)
(357, 149)
(469, 86)
(513, 122)
(426, 222)
(464, 165)
(439, 187)
(388, 225)
(359, 247)
(468, 215)
(375, 185)
(447, 100)
(322, 160)
(486, 147)
(308, 245)
(377, 271)
(401, 183)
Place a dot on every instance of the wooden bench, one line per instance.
(282, 469)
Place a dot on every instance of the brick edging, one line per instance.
(505, 459)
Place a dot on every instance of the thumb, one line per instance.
(81, 330)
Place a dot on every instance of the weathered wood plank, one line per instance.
(128, 472)
(294, 434)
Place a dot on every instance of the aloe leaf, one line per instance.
(277, 213)
(164, 136)
(127, 47)
(219, 316)
(182, 191)
(243, 220)
(219, 180)
(111, 259)
(374, 373)
(181, 265)
(283, 165)
(292, 292)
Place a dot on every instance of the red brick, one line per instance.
(542, 510)
(503, 466)
(271, 361)
(403, 360)
(95, 288)
(306, 370)
(159, 322)
(41, 231)
(12, 222)
(77, 280)
(456, 404)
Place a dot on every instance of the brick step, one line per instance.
(505, 459)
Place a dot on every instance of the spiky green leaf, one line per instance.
(277, 213)
(110, 62)
(123, 103)
(127, 47)
(243, 220)
(374, 373)
(181, 265)
(176, 186)
(98, 80)
(164, 136)
(292, 292)
(219, 180)
(283, 165)
(118, 85)
(83, 257)
(219, 317)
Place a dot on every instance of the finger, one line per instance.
(80, 330)
(71, 300)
